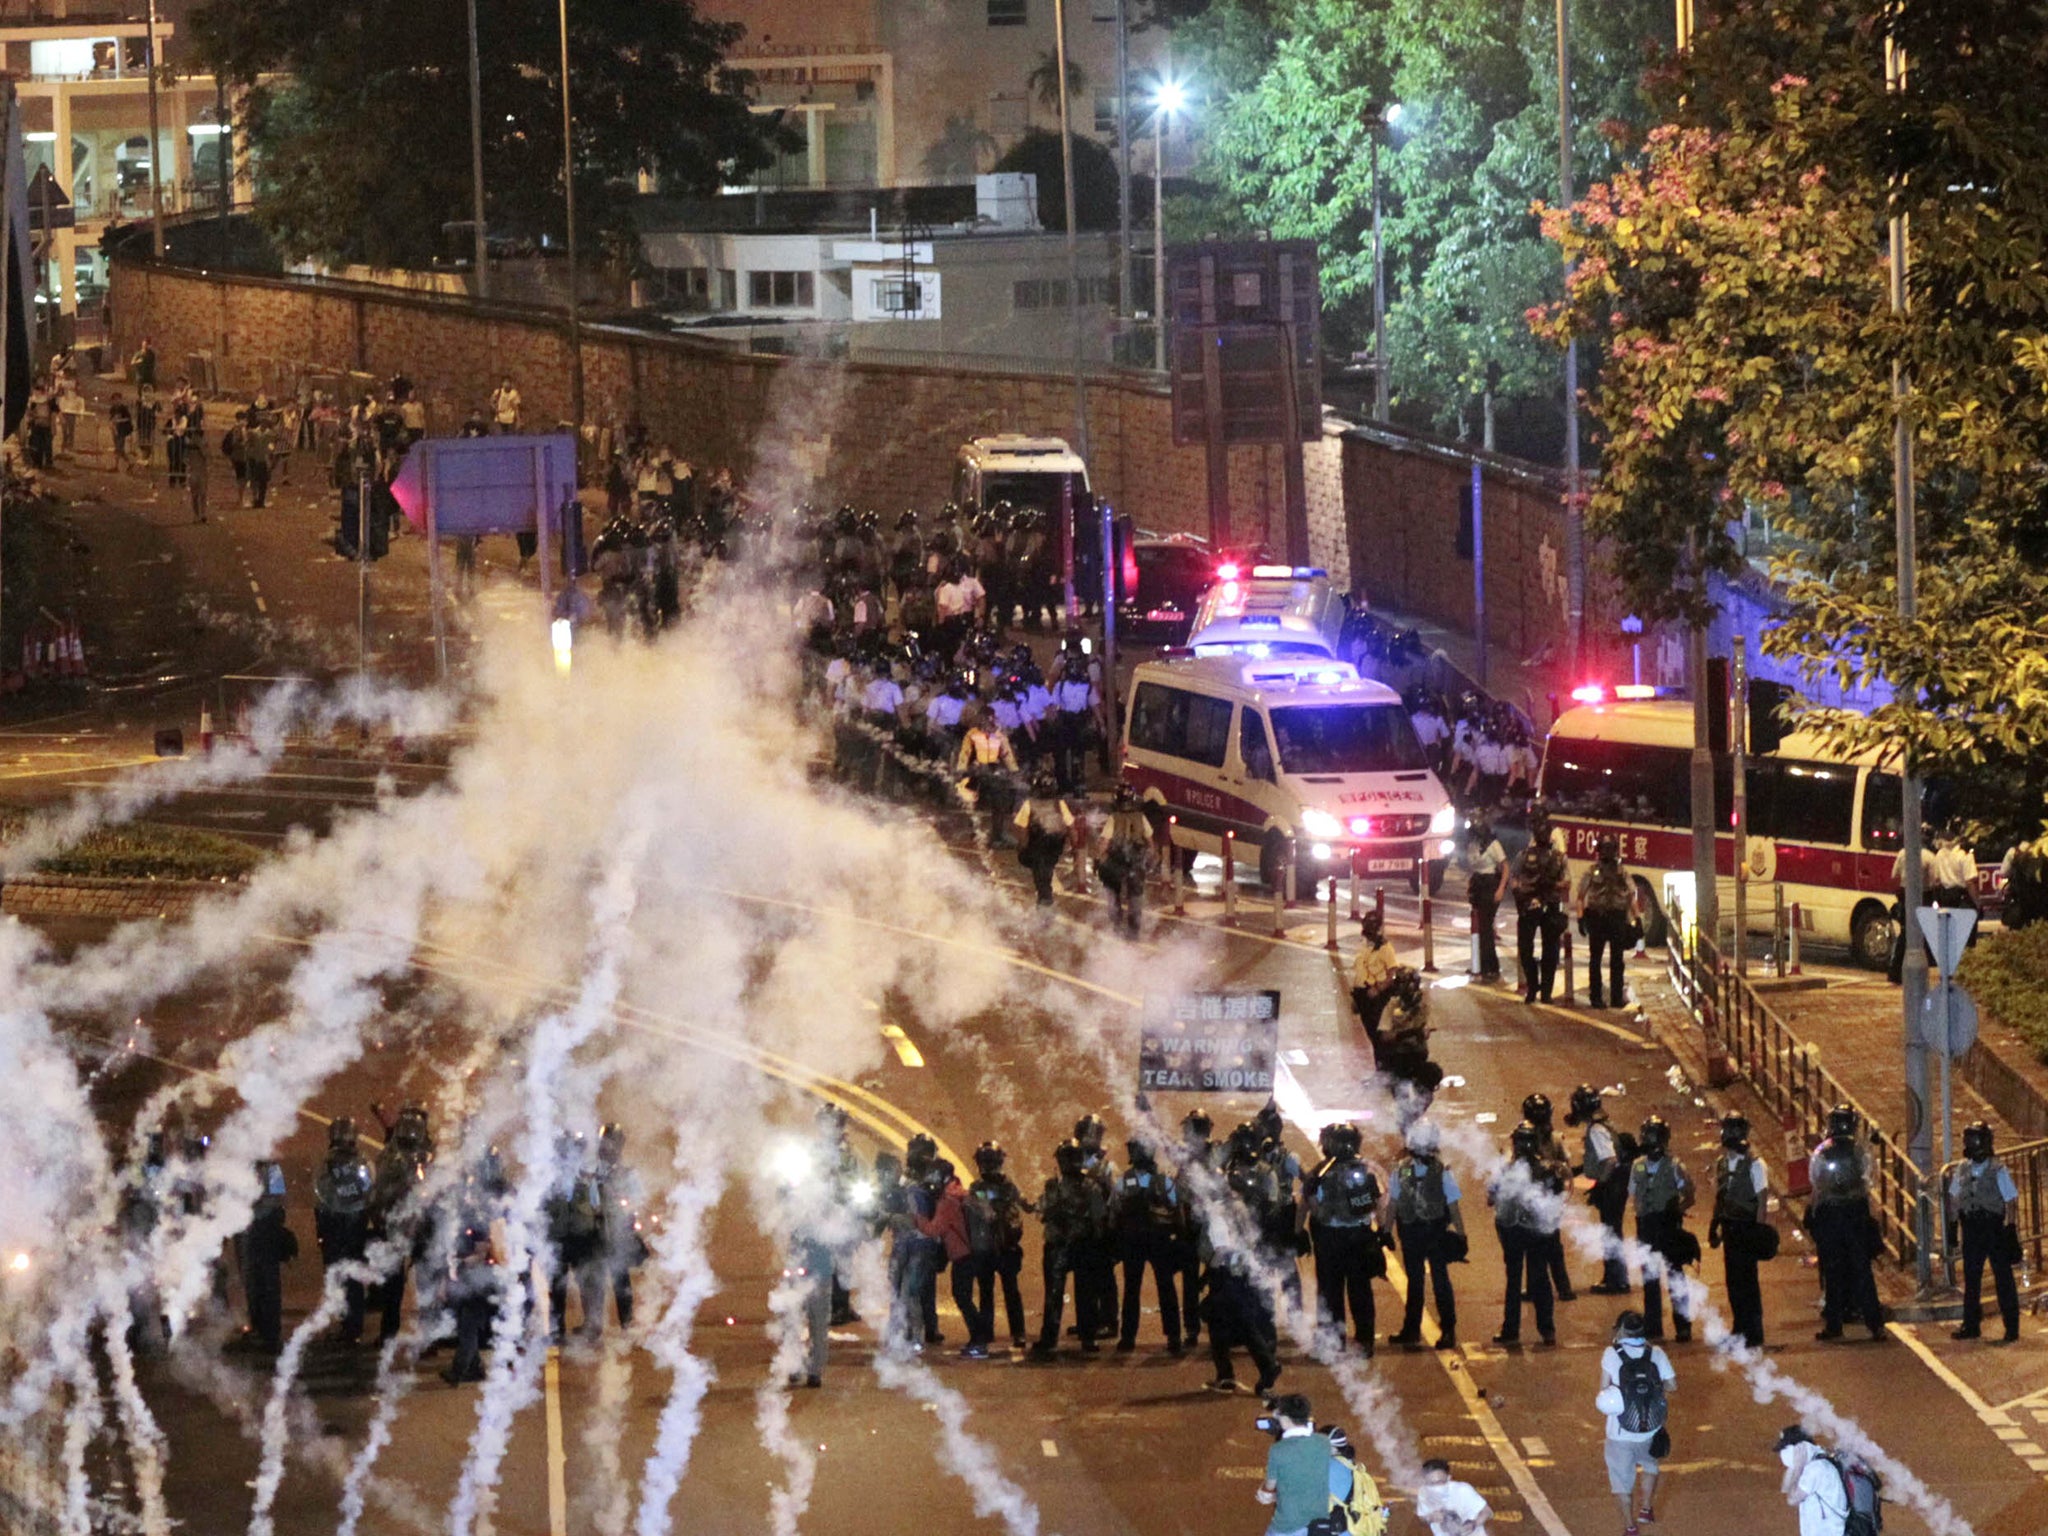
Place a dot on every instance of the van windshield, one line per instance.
(1039, 489)
(1346, 738)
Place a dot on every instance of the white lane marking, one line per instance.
(906, 1050)
(558, 1459)
(1051, 1450)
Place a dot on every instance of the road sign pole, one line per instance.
(1944, 920)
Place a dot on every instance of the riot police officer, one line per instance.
(1742, 1189)
(995, 1229)
(1844, 1232)
(1147, 1217)
(1076, 1217)
(1425, 1196)
(1095, 1308)
(1984, 1201)
(1537, 1111)
(574, 1211)
(1541, 882)
(1524, 1196)
(1342, 1207)
(341, 1216)
(620, 1188)
(1280, 1231)
(1601, 1163)
(475, 1260)
(262, 1249)
(394, 1213)
(1663, 1193)
(1198, 1175)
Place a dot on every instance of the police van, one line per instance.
(1296, 756)
(1270, 611)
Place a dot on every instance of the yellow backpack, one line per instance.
(1359, 1514)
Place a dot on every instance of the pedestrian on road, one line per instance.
(1373, 976)
(1525, 1196)
(262, 1249)
(1607, 1171)
(1424, 1194)
(1742, 1191)
(1447, 1506)
(624, 1248)
(1607, 915)
(948, 1225)
(1812, 1484)
(1663, 1193)
(574, 1213)
(476, 1262)
(1148, 1213)
(1297, 1484)
(1985, 1202)
(1124, 860)
(1486, 864)
(145, 422)
(1198, 1175)
(231, 450)
(1540, 886)
(1240, 1316)
(1844, 1232)
(1636, 1383)
(144, 364)
(1344, 1208)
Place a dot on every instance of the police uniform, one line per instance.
(1599, 1161)
(1423, 1191)
(1148, 1214)
(1095, 1299)
(1980, 1192)
(987, 760)
(1844, 1236)
(263, 1248)
(1343, 1197)
(1002, 1204)
(341, 1222)
(1073, 700)
(1539, 887)
(1524, 1219)
(1741, 1187)
(1660, 1187)
(1075, 1217)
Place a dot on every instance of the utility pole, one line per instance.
(1159, 238)
(156, 148)
(481, 258)
(1738, 751)
(1059, 16)
(1123, 159)
(1380, 371)
(569, 205)
(224, 151)
(1706, 899)
(1913, 970)
(1574, 523)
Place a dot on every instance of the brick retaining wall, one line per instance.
(117, 900)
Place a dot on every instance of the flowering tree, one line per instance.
(1736, 281)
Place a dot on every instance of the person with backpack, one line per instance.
(1424, 1195)
(1985, 1202)
(1636, 1383)
(1147, 1214)
(1541, 882)
(1297, 1484)
(1344, 1209)
(1813, 1484)
(995, 1240)
(1607, 914)
(1044, 823)
(1663, 1193)
(1536, 1109)
(1196, 1172)
(1373, 969)
(1604, 1164)
(1742, 1190)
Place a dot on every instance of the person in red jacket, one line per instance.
(947, 1225)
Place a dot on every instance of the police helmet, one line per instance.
(1268, 1120)
(341, 1134)
(1341, 1139)
(1480, 830)
(988, 1157)
(939, 1175)
(1089, 1131)
(192, 1146)
(1842, 1122)
(1139, 1155)
(1125, 797)
(1525, 1139)
(1607, 850)
(1735, 1132)
(1536, 1110)
(1424, 1137)
(611, 1142)
(906, 519)
(1655, 1136)
(1539, 824)
(1977, 1141)
(1068, 1156)
(1045, 783)
(1585, 1104)
(920, 1153)
(1196, 1125)
(1244, 1141)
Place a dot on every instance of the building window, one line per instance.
(780, 290)
(728, 288)
(1051, 292)
(687, 285)
(1007, 13)
(899, 295)
(1106, 115)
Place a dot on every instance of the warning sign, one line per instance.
(1210, 1042)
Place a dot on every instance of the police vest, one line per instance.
(1347, 1194)
(1518, 1199)
(1591, 1162)
(1421, 1195)
(1145, 1201)
(1735, 1195)
(1980, 1196)
(343, 1189)
(1657, 1187)
(1838, 1175)
(1608, 890)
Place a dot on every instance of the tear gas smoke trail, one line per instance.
(393, 1386)
(83, 1423)
(788, 1501)
(1767, 1381)
(681, 1250)
(145, 1441)
(967, 1456)
(607, 1427)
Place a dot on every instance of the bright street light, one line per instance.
(1170, 97)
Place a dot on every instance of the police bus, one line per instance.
(1823, 824)
(1295, 758)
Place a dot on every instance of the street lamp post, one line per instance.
(1574, 527)
(476, 156)
(1123, 158)
(1166, 101)
(1379, 117)
(569, 207)
(156, 148)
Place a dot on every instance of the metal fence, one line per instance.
(2028, 1164)
(1788, 1076)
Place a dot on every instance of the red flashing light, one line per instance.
(1227, 571)
(1361, 826)
(1589, 693)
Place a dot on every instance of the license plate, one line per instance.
(1389, 866)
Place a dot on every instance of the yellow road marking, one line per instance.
(51, 773)
(558, 1458)
(906, 1051)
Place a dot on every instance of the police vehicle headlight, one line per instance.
(1321, 824)
(1444, 822)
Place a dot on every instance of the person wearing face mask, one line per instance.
(1812, 1485)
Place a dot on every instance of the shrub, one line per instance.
(143, 851)
(2008, 976)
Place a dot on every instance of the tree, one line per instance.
(1040, 154)
(358, 115)
(1044, 81)
(1736, 283)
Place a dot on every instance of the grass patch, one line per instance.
(142, 851)
(2008, 976)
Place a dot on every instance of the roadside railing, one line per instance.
(2028, 1165)
(1787, 1074)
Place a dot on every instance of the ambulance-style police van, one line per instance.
(1298, 757)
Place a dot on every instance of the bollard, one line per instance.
(1280, 894)
(1230, 877)
(1778, 929)
(1379, 902)
(1356, 913)
(1565, 966)
(1180, 905)
(205, 728)
(1330, 943)
(1792, 947)
(1472, 957)
(1428, 916)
